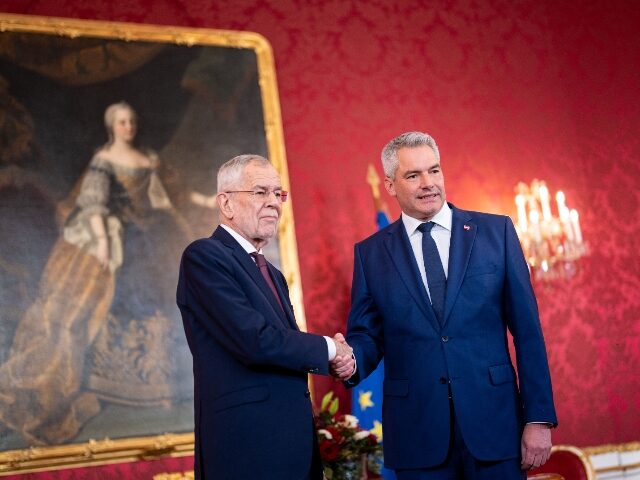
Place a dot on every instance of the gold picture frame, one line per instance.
(105, 449)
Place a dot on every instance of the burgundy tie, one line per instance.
(262, 265)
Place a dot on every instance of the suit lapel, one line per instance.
(252, 270)
(397, 243)
(463, 234)
(286, 303)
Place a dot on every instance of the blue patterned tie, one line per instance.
(436, 279)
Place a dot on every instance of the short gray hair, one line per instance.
(389, 154)
(231, 171)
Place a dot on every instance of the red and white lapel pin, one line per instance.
(467, 227)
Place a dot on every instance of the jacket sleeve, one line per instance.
(364, 329)
(211, 296)
(524, 324)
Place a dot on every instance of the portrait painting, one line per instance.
(91, 340)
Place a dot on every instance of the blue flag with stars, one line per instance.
(366, 402)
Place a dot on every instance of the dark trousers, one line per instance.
(460, 464)
(316, 471)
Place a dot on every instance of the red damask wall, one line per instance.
(511, 91)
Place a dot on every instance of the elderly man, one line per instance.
(435, 293)
(253, 416)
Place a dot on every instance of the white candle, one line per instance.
(544, 201)
(566, 226)
(575, 223)
(563, 211)
(522, 213)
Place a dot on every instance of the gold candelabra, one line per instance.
(552, 243)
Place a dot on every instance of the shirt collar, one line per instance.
(244, 243)
(443, 218)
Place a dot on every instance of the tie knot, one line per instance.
(259, 258)
(426, 227)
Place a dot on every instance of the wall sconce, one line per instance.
(551, 244)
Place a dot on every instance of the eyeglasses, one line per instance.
(261, 195)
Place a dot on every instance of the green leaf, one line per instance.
(333, 408)
(325, 400)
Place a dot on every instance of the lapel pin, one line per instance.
(467, 227)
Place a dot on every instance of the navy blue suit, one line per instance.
(488, 291)
(253, 415)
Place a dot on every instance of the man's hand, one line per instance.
(536, 445)
(343, 365)
(342, 347)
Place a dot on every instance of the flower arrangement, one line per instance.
(345, 448)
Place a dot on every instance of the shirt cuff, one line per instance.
(331, 347)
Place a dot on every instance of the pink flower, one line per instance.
(349, 421)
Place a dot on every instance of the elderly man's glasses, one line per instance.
(261, 194)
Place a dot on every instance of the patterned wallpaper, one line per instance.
(511, 91)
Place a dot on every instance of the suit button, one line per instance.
(443, 380)
(307, 394)
(445, 339)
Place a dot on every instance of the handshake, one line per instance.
(343, 366)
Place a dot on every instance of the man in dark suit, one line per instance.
(253, 415)
(435, 293)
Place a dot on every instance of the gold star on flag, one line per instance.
(364, 399)
(377, 430)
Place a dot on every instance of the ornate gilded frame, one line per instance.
(100, 451)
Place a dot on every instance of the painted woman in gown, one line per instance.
(101, 327)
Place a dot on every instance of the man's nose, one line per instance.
(426, 181)
(272, 200)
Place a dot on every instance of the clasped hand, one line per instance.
(343, 365)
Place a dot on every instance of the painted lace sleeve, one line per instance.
(94, 192)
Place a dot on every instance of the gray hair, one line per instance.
(231, 171)
(389, 154)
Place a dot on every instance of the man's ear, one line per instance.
(389, 186)
(224, 205)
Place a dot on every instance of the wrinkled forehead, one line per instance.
(257, 175)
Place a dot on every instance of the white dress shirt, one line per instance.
(441, 234)
(244, 243)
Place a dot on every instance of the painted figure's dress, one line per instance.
(97, 333)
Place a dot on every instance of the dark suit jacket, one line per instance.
(488, 292)
(253, 415)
